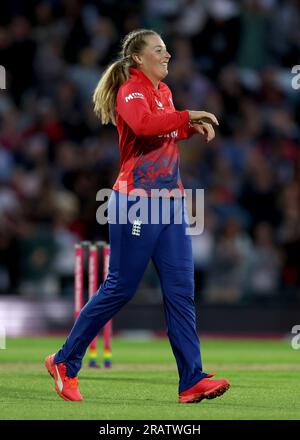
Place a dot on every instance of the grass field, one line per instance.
(142, 385)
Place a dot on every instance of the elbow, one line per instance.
(143, 131)
(145, 128)
(139, 131)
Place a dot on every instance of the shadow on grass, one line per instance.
(254, 406)
(158, 381)
(15, 394)
(138, 401)
(99, 378)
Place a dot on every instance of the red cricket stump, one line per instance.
(107, 330)
(93, 286)
(78, 281)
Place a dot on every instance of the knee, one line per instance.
(115, 287)
(180, 284)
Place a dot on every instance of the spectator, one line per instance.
(263, 267)
(226, 277)
(51, 144)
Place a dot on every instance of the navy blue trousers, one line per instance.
(171, 252)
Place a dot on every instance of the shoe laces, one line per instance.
(72, 381)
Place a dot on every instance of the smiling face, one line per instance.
(153, 59)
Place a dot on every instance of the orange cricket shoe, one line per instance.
(206, 388)
(66, 387)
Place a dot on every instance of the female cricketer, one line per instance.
(131, 95)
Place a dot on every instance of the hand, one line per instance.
(206, 130)
(198, 117)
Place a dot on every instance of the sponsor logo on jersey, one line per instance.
(134, 95)
(173, 134)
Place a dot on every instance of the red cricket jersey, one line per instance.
(148, 127)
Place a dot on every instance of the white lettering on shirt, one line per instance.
(134, 95)
(173, 134)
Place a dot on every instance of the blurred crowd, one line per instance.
(232, 58)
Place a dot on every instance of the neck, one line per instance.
(154, 81)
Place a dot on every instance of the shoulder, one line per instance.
(132, 88)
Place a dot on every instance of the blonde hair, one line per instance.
(105, 94)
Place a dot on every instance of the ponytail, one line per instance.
(105, 94)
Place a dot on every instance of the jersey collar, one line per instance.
(144, 78)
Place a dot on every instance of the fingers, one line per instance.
(210, 132)
(209, 118)
(206, 130)
(197, 117)
(200, 128)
